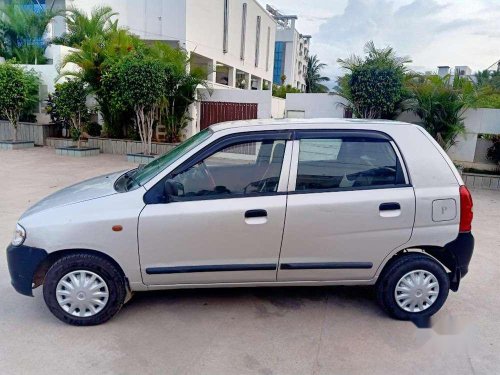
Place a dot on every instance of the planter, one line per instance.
(140, 158)
(28, 131)
(77, 152)
(16, 145)
(126, 146)
(481, 181)
(61, 142)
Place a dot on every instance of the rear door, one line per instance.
(350, 203)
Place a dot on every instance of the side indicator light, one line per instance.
(117, 228)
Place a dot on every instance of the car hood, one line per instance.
(93, 188)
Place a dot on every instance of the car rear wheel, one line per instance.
(414, 286)
(84, 289)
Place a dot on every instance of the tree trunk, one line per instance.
(14, 132)
(149, 129)
(13, 119)
(139, 121)
(144, 121)
(79, 127)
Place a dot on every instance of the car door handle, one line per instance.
(389, 206)
(255, 213)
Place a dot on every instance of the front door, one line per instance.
(223, 215)
(350, 204)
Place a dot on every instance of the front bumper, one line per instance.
(23, 262)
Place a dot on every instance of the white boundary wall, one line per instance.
(50, 74)
(479, 121)
(278, 107)
(314, 106)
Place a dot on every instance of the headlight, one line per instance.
(19, 236)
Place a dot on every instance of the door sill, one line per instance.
(259, 284)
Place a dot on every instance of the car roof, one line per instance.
(294, 124)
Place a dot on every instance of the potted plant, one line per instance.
(18, 94)
(70, 99)
(139, 83)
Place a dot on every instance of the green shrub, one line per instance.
(489, 101)
(18, 93)
(494, 151)
(281, 91)
(70, 99)
(441, 102)
(93, 129)
(374, 85)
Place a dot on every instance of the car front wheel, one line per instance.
(414, 286)
(84, 289)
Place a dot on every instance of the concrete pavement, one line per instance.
(327, 330)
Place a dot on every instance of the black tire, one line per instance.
(88, 262)
(394, 271)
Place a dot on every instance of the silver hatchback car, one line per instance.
(257, 203)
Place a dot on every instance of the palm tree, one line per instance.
(24, 24)
(482, 77)
(2, 40)
(441, 102)
(380, 57)
(313, 75)
(82, 27)
(92, 58)
(488, 80)
(180, 86)
(374, 85)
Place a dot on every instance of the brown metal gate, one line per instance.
(214, 112)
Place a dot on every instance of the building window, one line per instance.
(257, 42)
(267, 47)
(243, 30)
(37, 7)
(226, 22)
(279, 61)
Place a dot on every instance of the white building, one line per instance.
(461, 70)
(291, 52)
(232, 39)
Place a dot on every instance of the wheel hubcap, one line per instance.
(416, 291)
(82, 293)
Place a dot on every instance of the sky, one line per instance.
(430, 32)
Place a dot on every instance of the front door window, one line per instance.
(237, 170)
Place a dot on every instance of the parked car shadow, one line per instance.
(279, 299)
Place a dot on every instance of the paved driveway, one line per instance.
(287, 331)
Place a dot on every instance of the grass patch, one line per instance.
(481, 171)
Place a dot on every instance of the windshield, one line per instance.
(140, 176)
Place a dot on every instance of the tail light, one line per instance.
(466, 213)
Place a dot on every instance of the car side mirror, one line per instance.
(171, 189)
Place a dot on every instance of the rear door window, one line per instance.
(343, 162)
